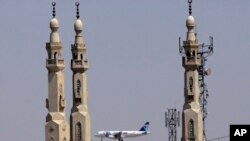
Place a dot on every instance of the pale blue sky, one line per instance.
(135, 71)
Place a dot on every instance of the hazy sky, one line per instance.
(135, 70)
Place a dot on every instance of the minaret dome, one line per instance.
(190, 22)
(54, 24)
(54, 35)
(78, 26)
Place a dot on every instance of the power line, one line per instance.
(218, 138)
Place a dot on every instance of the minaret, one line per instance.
(192, 126)
(79, 118)
(56, 127)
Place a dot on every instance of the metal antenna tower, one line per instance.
(204, 52)
(172, 120)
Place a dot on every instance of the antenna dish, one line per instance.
(208, 72)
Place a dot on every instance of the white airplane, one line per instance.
(123, 134)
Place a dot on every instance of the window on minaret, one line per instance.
(55, 55)
(49, 55)
(191, 130)
(193, 53)
(74, 55)
(78, 132)
(78, 86)
(191, 84)
(81, 57)
(188, 54)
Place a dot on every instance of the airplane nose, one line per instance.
(98, 134)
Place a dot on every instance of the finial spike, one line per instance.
(77, 10)
(54, 9)
(190, 7)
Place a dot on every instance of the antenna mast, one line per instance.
(172, 120)
(204, 52)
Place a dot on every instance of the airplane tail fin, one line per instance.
(145, 127)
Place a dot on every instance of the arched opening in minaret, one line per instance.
(78, 131)
(74, 55)
(188, 54)
(193, 54)
(191, 130)
(78, 86)
(49, 55)
(61, 103)
(78, 92)
(81, 56)
(55, 55)
(191, 81)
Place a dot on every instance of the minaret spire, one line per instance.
(192, 126)
(77, 10)
(54, 9)
(190, 7)
(56, 127)
(79, 118)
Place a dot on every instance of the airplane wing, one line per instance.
(118, 135)
(109, 135)
(114, 134)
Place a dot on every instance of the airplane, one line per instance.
(123, 134)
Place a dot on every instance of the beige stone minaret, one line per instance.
(56, 127)
(79, 118)
(192, 126)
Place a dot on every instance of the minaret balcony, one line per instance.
(190, 43)
(191, 138)
(79, 65)
(191, 62)
(55, 64)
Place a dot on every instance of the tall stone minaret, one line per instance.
(192, 126)
(56, 127)
(79, 118)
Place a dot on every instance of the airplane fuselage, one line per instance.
(123, 134)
